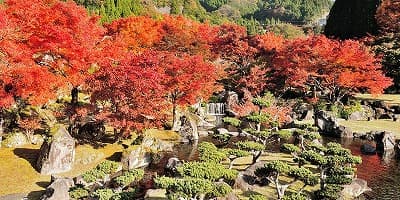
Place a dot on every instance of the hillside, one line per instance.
(256, 15)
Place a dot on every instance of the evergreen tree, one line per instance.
(350, 19)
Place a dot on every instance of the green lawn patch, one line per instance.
(376, 125)
(392, 99)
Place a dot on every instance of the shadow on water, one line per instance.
(381, 172)
(30, 155)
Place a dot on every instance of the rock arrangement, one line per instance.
(381, 110)
(57, 154)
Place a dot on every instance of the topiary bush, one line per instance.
(108, 167)
(257, 197)
(93, 175)
(232, 121)
(129, 177)
(101, 171)
(103, 194)
(127, 195)
(208, 152)
(207, 170)
(78, 192)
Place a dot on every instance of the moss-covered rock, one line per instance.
(15, 139)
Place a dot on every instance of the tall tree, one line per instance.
(187, 79)
(333, 68)
(50, 45)
(129, 92)
(352, 19)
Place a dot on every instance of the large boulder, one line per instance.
(171, 166)
(385, 141)
(325, 122)
(135, 157)
(365, 114)
(344, 132)
(15, 139)
(306, 112)
(232, 99)
(368, 149)
(58, 189)
(188, 129)
(355, 189)
(57, 154)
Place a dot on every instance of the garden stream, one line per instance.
(382, 175)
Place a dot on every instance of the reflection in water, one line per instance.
(382, 173)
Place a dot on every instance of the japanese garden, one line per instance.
(199, 99)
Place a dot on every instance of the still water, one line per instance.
(381, 173)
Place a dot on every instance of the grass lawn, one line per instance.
(392, 99)
(376, 125)
(17, 174)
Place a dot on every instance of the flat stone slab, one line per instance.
(14, 197)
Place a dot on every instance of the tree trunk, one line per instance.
(322, 178)
(1, 130)
(258, 127)
(278, 187)
(256, 156)
(74, 96)
(231, 163)
(174, 120)
(301, 137)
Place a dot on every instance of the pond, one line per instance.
(382, 175)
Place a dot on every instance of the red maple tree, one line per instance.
(333, 68)
(187, 79)
(50, 45)
(129, 92)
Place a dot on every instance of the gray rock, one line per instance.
(14, 197)
(37, 140)
(385, 141)
(388, 155)
(171, 166)
(325, 122)
(359, 135)
(368, 149)
(246, 179)
(155, 194)
(203, 133)
(344, 132)
(232, 98)
(355, 189)
(135, 157)
(381, 113)
(57, 155)
(366, 113)
(396, 117)
(15, 139)
(222, 131)
(58, 189)
(188, 129)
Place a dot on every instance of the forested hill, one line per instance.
(256, 15)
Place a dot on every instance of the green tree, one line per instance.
(350, 19)
(272, 171)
